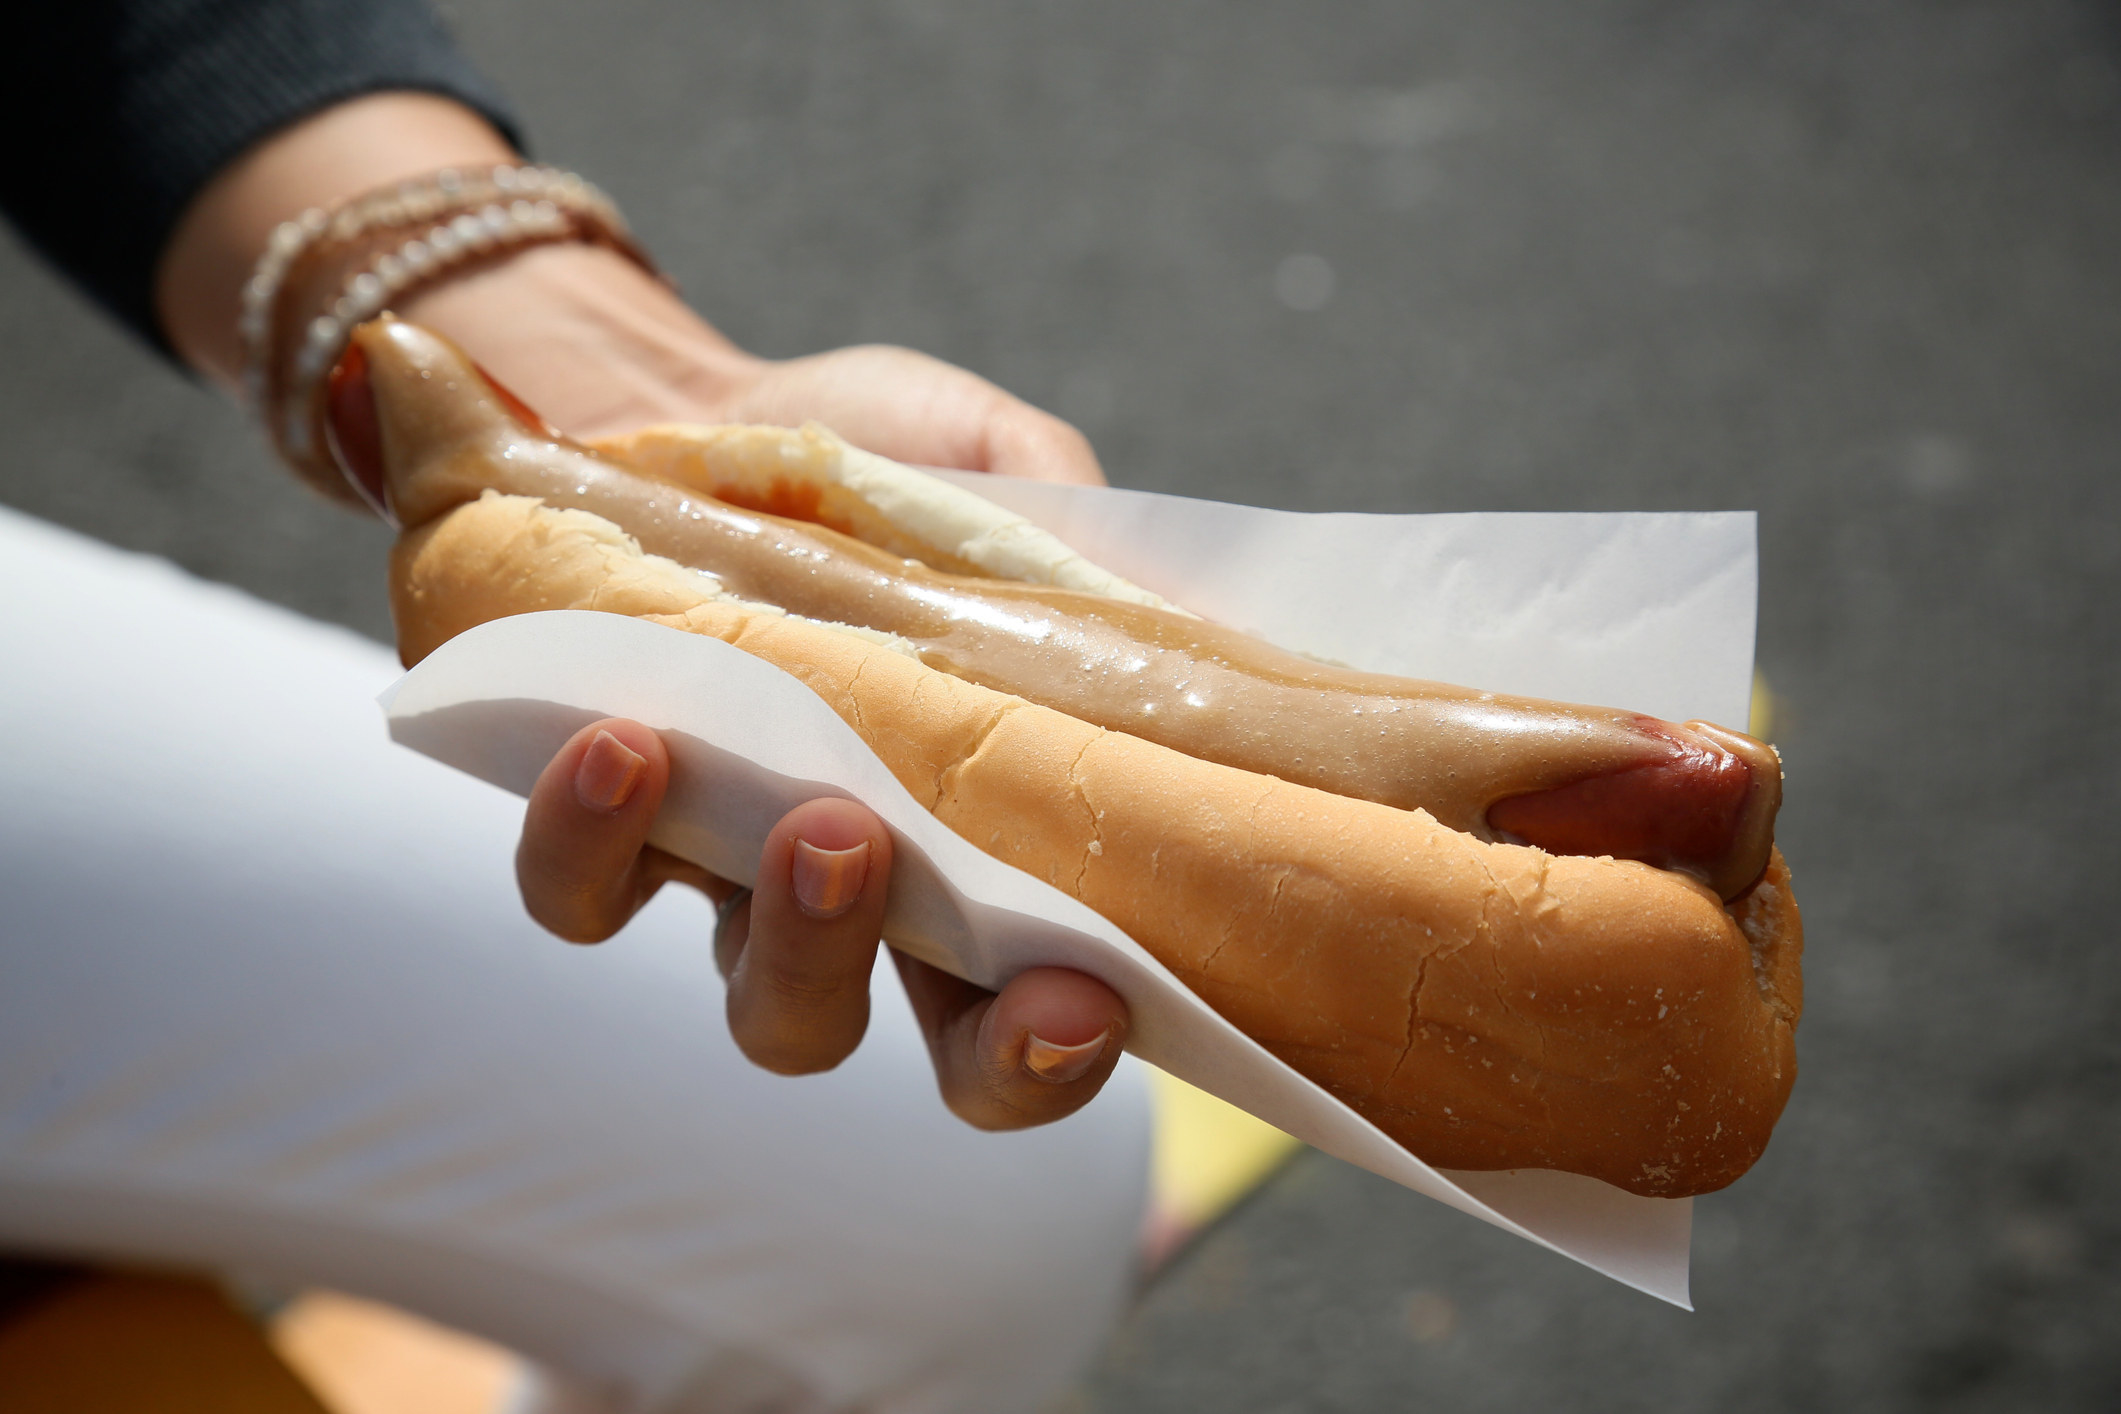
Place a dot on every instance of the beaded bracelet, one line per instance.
(325, 272)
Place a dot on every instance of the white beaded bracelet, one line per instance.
(448, 220)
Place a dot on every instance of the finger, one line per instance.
(1024, 441)
(579, 862)
(732, 925)
(659, 867)
(913, 408)
(799, 985)
(584, 864)
(1034, 1053)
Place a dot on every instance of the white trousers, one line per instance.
(268, 1003)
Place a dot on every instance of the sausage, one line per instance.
(1693, 798)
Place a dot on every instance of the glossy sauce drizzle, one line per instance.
(1580, 780)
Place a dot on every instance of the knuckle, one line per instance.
(974, 1109)
(995, 1112)
(794, 1024)
(799, 991)
(581, 931)
(800, 972)
(790, 1052)
(782, 1060)
(1067, 437)
(574, 915)
(988, 1097)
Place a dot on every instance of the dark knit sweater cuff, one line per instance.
(123, 109)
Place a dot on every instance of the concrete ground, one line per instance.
(1858, 266)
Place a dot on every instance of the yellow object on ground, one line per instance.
(142, 1343)
(1207, 1153)
(363, 1357)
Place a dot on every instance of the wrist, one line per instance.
(579, 330)
(589, 339)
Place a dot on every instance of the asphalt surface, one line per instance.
(1857, 266)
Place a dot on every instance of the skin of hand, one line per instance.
(599, 346)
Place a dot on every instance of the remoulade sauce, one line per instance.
(1570, 779)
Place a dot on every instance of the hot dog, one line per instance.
(1325, 855)
(1572, 780)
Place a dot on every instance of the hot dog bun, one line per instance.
(1488, 1005)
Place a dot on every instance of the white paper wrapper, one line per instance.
(1653, 612)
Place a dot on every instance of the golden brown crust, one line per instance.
(1488, 1006)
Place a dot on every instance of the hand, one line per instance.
(598, 346)
(798, 949)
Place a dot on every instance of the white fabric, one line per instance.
(268, 1002)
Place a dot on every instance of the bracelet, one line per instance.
(327, 271)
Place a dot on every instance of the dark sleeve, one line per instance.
(117, 111)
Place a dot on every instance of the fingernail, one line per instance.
(608, 773)
(828, 881)
(1060, 1064)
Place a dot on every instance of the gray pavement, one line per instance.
(1858, 266)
